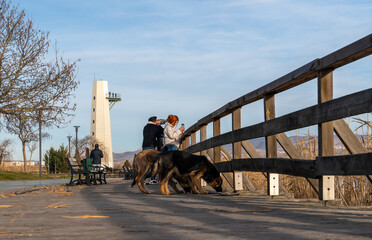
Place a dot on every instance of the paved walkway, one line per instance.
(116, 211)
(13, 186)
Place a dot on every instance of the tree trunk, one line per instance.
(24, 156)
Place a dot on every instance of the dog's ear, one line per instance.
(218, 181)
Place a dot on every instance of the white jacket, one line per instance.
(171, 136)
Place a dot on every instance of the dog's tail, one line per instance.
(135, 168)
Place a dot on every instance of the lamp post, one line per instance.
(76, 143)
(40, 112)
(69, 148)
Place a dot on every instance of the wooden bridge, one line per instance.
(328, 115)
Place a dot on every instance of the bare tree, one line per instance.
(31, 148)
(27, 132)
(29, 82)
(5, 149)
(32, 88)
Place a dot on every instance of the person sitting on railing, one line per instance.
(171, 135)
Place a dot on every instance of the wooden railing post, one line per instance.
(203, 137)
(187, 142)
(325, 134)
(237, 149)
(216, 132)
(271, 147)
(193, 138)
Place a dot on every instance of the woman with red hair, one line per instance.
(171, 135)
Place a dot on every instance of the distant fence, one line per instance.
(328, 115)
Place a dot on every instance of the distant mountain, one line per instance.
(121, 157)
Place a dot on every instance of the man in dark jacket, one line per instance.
(96, 154)
(152, 134)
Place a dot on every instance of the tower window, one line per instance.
(93, 121)
(94, 98)
(94, 109)
(92, 133)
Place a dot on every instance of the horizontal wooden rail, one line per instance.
(357, 164)
(346, 106)
(309, 71)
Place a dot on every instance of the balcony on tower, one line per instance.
(113, 98)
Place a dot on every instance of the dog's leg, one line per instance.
(164, 183)
(174, 186)
(140, 179)
(195, 178)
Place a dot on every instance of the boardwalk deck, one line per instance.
(128, 214)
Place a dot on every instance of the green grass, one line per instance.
(8, 175)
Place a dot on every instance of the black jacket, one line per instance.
(96, 154)
(152, 135)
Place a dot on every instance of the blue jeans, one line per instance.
(172, 148)
(145, 148)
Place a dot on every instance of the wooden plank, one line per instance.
(347, 54)
(288, 146)
(247, 183)
(248, 147)
(203, 137)
(187, 142)
(193, 138)
(217, 132)
(271, 146)
(325, 134)
(293, 153)
(227, 176)
(347, 137)
(343, 56)
(237, 149)
(357, 164)
(236, 124)
(346, 106)
(252, 152)
(294, 167)
(224, 167)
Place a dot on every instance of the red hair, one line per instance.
(172, 119)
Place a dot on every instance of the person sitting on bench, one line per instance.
(96, 155)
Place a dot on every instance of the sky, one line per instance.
(190, 57)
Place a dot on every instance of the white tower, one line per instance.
(100, 125)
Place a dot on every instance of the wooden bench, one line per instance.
(76, 169)
(97, 171)
(128, 173)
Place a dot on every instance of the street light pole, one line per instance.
(40, 143)
(76, 143)
(69, 148)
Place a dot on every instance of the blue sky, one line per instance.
(191, 57)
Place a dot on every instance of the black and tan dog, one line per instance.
(145, 165)
(188, 169)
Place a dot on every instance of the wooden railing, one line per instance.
(328, 115)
